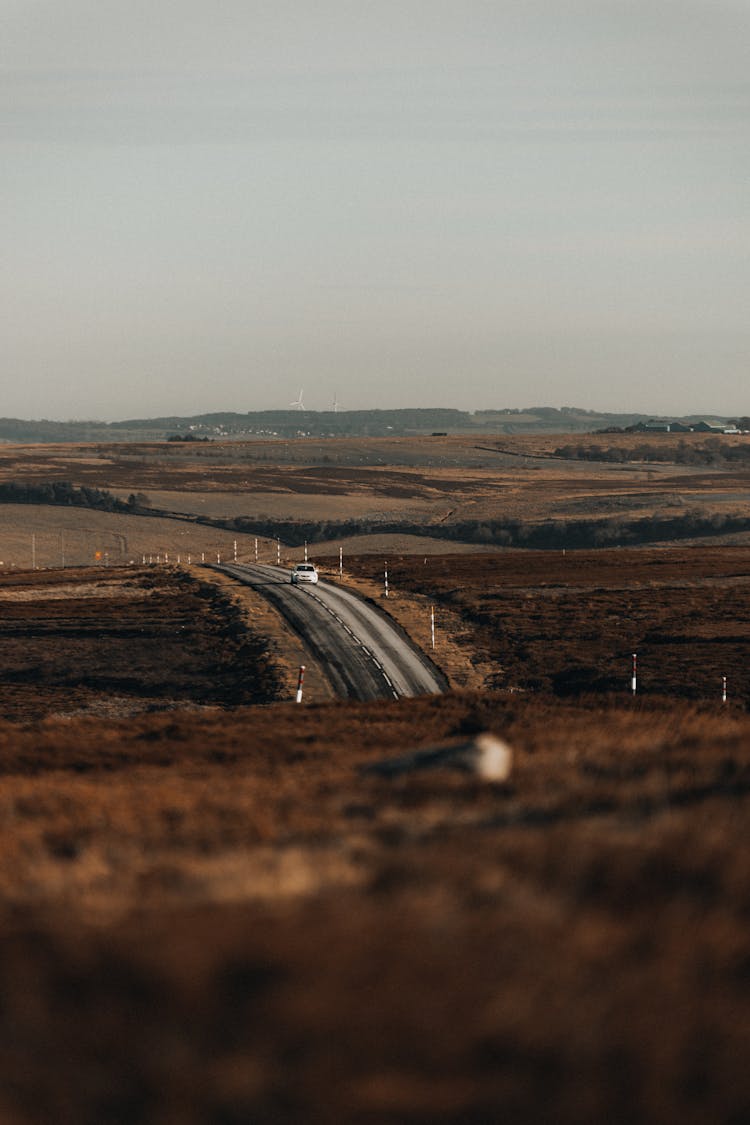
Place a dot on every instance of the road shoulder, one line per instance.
(287, 648)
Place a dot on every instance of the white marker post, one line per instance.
(278, 552)
(218, 559)
(203, 556)
(300, 682)
(386, 579)
(634, 677)
(723, 689)
(432, 624)
(235, 550)
(305, 550)
(188, 560)
(256, 550)
(341, 562)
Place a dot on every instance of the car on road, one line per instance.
(304, 572)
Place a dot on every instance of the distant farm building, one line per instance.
(660, 426)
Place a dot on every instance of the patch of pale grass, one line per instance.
(70, 592)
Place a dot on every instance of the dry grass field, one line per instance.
(214, 917)
(78, 537)
(209, 913)
(427, 481)
(119, 641)
(569, 623)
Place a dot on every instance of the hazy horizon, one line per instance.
(471, 205)
(91, 420)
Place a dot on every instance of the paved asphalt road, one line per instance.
(362, 651)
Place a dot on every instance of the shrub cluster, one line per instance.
(713, 451)
(62, 492)
(545, 535)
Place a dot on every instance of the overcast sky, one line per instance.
(480, 203)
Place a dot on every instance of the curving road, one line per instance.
(363, 652)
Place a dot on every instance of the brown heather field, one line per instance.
(428, 481)
(568, 623)
(116, 641)
(208, 914)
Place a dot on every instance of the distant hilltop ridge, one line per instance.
(270, 424)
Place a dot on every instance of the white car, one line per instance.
(304, 572)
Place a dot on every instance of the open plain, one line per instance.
(481, 491)
(210, 913)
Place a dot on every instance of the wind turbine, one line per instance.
(298, 404)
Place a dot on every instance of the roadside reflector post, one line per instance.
(634, 677)
(341, 562)
(256, 550)
(178, 560)
(300, 681)
(218, 558)
(305, 550)
(386, 579)
(144, 560)
(723, 689)
(188, 560)
(203, 556)
(432, 624)
(166, 557)
(278, 552)
(235, 550)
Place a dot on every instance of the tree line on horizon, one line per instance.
(712, 451)
(406, 421)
